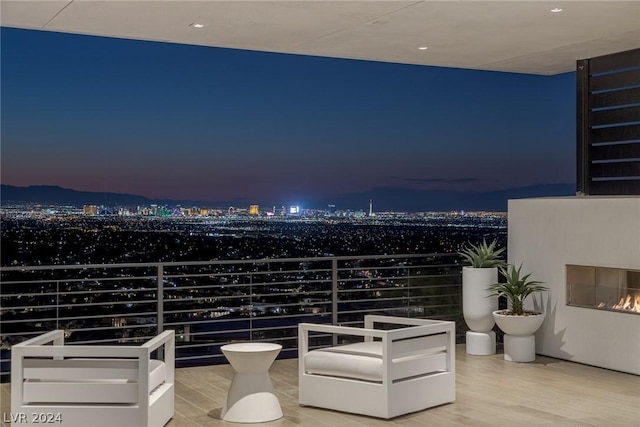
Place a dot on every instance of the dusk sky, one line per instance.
(198, 123)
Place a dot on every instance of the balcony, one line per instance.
(210, 304)
(213, 303)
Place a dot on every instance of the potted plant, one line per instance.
(518, 324)
(477, 302)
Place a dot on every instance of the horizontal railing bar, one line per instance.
(395, 277)
(244, 285)
(77, 280)
(377, 310)
(85, 304)
(219, 320)
(290, 278)
(207, 310)
(234, 297)
(181, 345)
(397, 267)
(398, 288)
(220, 262)
(211, 341)
(107, 341)
(255, 304)
(53, 319)
(206, 356)
(431, 276)
(247, 285)
(243, 273)
(238, 320)
(85, 292)
(34, 334)
(229, 297)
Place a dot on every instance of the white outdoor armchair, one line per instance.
(92, 385)
(390, 373)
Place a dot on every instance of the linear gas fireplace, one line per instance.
(601, 288)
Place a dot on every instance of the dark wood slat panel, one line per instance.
(615, 61)
(616, 80)
(622, 70)
(613, 134)
(611, 99)
(618, 115)
(630, 187)
(622, 169)
(618, 151)
(583, 142)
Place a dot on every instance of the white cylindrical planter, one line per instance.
(519, 341)
(477, 308)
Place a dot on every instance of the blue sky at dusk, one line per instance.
(197, 123)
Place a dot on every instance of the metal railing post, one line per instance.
(408, 285)
(160, 299)
(57, 304)
(250, 306)
(334, 296)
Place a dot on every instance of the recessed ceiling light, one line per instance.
(423, 48)
(195, 25)
(556, 10)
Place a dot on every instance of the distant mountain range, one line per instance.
(384, 199)
(51, 194)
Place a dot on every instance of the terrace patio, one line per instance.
(490, 391)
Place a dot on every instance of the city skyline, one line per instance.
(196, 123)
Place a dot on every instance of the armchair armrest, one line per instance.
(159, 340)
(56, 337)
(371, 319)
(167, 341)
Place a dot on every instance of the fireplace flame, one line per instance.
(628, 303)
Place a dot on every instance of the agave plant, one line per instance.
(516, 288)
(483, 255)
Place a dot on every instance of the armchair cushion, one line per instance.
(87, 370)
(361, 361)
(157, 373)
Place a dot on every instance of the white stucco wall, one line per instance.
(546, 234)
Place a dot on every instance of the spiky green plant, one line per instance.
(483, 255)
(516, 288)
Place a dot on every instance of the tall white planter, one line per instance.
(478, 308)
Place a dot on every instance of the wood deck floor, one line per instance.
(490, 392)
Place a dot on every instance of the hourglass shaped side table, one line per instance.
(251, 398)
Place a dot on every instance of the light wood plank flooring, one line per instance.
(490, 392)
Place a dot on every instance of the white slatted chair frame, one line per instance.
(417, 372)
(92, 385)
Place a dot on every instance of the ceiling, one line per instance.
(511, 36)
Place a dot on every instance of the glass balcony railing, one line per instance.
(212, 303)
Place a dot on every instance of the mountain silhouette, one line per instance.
(51, 194)
(384, 198)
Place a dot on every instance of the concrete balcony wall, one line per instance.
(546, 234)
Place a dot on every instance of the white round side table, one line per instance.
(251, 398)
